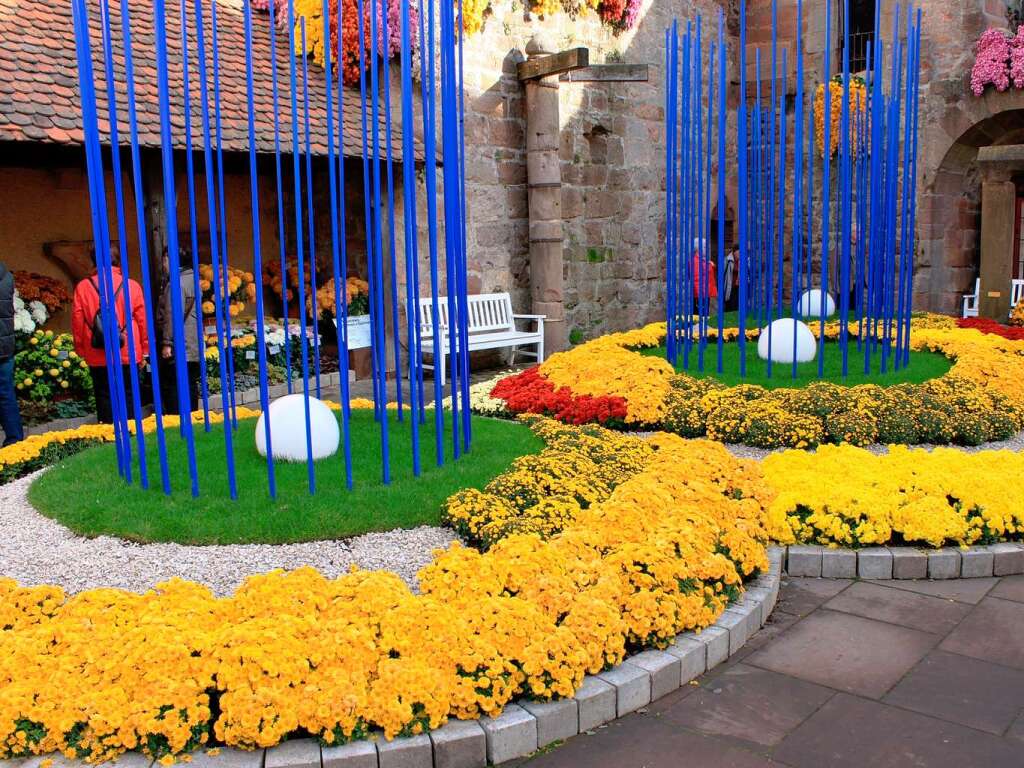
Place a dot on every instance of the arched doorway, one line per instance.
(952, 201)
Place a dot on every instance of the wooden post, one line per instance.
(544, 177)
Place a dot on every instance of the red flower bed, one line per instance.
(986, 325)
(529, 392)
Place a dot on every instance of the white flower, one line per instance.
(19, 303)
(23, 322)
(480, 400)
(39, 313)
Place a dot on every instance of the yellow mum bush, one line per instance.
(608, 366)
(978, 400)
(906, 496)
(664, 551)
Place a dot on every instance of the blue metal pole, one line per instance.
(229, 392)
(280, 194)
(798, 186)
(122, 235)
(670, 172)
(845, 197)
(310, 218)
(170, 196)
(300, 248)
(409, 221)
(742, 148)
(142, 233)
(722, 203)
(826, 194)
(391, 210)
(215, 242)
(257, 250)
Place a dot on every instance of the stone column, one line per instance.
(544, 177)
(998, 200)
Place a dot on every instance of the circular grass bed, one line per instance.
(85, 493)
(923, 366)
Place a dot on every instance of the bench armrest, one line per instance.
(538, 319)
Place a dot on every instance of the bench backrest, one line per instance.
(488, 312)
(1016, 291)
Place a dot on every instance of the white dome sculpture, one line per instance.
(288, 429)
(782, 342)
(810, 304)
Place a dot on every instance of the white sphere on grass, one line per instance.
(783, 349)
(810, 304)
(288, 429)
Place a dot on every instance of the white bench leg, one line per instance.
(540, 351)
(439, 365)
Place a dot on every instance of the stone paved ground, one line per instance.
(844, 674)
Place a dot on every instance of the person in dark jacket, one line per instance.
(165, 331)
(10, 417)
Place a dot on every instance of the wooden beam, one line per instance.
(555, 64)
(608, 73)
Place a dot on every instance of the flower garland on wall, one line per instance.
(858, 113)
(999, 61)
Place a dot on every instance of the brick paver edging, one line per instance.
(1006, 559)
(525, 726)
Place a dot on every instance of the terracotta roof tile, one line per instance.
(39, 79)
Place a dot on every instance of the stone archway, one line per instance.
(949, 202)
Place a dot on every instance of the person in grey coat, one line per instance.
(165, 326)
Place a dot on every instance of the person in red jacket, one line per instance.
(89, 345)
(704, 275)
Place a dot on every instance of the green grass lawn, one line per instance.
(923, 366)
(85, 493)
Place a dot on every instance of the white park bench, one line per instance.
(492, 325)
(970, 300)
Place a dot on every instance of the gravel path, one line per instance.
(36, 550)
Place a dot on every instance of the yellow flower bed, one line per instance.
(106, 671)
(906, 495)
(979, 399)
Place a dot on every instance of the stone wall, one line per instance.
(611, 157)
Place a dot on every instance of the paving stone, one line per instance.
(874, 563)
(970, 591)
(801, 596)
(1016, 731)
(412, 752)
(632, 687)
(596, 702)
(1010, 588)
(909, 563)
(692, 655)
(716, 640)
(944, 563)
(846, 652)
(850, 732)
(648, 742)
(992, 631)
(458, 744)
(664, 669)
(804, 560)
(358, 754)
(228, 757)
(838, 564)
(976, 563)
(748, 703)
(513, 734)
(556, 720)
(1009, 559)
(297, 753)
(874, 600)
(962, 690)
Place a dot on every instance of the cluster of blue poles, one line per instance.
(440, 95)
(787, 240)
